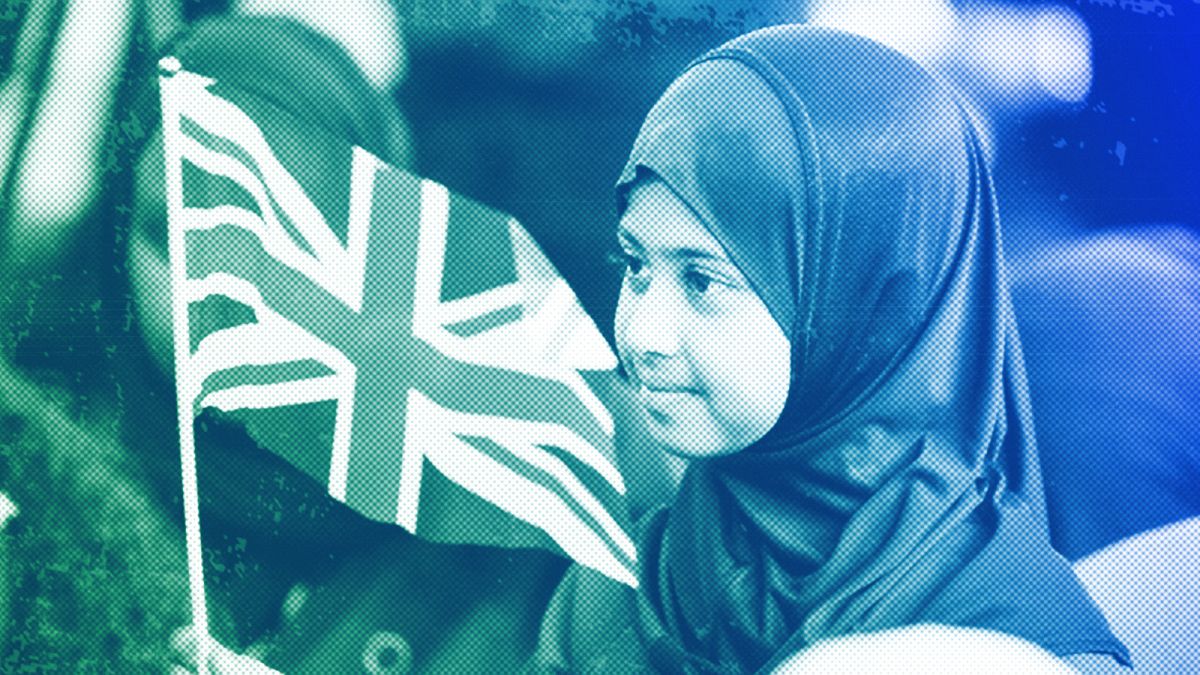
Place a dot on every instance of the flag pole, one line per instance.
(169, 86)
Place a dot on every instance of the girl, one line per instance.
(815, 315)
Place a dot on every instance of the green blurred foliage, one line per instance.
(93, 575)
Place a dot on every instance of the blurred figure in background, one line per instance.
(67, 139)
(68, 69)
(1109, 324)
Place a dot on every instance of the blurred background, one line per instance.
(1089, 108)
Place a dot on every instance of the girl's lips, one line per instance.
(659, 386)
(658, 394)
(667, 389)
(664, 398)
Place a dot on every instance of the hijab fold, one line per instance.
(901, 484)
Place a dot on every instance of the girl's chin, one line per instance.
(686, 437)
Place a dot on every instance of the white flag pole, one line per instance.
(169, 84)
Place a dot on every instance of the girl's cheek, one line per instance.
(750, 375)
(625, 331)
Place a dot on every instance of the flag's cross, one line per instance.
(409, 386)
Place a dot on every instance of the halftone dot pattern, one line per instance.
(1087, 111)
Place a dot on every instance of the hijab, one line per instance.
(900, 484)
(1109, 324)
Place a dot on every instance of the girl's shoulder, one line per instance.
(589, 627)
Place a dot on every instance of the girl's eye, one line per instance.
(697, 282)
(633, 264)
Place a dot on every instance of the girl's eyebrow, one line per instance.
(629, 240)
(680, 253)
(697, 254)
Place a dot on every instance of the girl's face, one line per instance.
(710, 364)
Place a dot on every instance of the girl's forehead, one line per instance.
(657, 221)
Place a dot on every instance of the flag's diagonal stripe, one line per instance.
(274, 242)
(524, 439)
(262, 344)
(587, 397)
(217, 155)
(283, 288)
(464, 464)
(544, 465)
(536, 399)
(480, 350)
(515, 346)
(200, 184)
(291, 371)
(514, 433)
(502, 450)
(473, 306)
(524, 499)
(541, 433)
(273, 339)
(488, 323)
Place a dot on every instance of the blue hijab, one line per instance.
(900, 484)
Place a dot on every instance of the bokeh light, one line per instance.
(1022, 56)
(1063, 54)
(922, 29)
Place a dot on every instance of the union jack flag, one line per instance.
(411, 348)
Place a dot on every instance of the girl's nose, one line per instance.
(652, 324)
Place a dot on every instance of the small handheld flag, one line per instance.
(410, 348)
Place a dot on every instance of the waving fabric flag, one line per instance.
(410, 348)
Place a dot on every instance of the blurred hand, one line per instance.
(185, 646)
